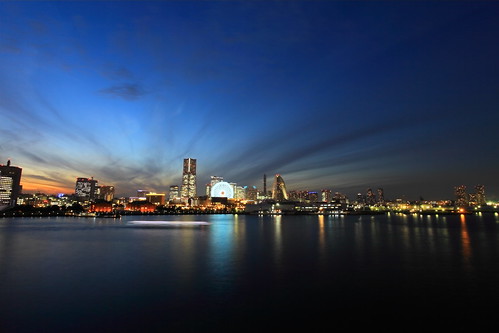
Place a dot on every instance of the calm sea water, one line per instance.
(249, 273)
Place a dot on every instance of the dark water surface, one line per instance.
(249, 273)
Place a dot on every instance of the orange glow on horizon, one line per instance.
(35, 187)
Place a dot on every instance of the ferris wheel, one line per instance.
(222, 190)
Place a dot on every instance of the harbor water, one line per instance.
(248, 273)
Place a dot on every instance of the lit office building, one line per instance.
(156, 198)
(10, 185)
(252, 193)
(234, 189)
(301, 196)
(326, 195)
(105, 193)
(189, 178)
(240, 192)
(174, 194)
(85, 188)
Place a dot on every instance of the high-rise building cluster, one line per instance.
(219, 193)
(87, 189)
(464, 199)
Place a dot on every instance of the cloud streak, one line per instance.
(126, 91)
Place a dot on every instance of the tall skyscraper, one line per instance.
(189, 178)
(85, 189)
(279, 192)
(10, 185)
(461, 196)
(480, 194)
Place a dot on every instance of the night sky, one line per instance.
(329, 94)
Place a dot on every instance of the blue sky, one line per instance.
(329, 94)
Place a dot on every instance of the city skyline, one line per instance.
(337, 95)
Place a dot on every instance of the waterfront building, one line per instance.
(240, 192)
(341, 199)
(105, 193)
(252, 193)
(174, 193)
(188, 189)
(10, 185)
(461, 196)
(300, 196)
(313, 196)
(156, 198)
(326, 195)
(85, 189)
(279, 192)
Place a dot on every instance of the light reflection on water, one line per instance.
(266, 264)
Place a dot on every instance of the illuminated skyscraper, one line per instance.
(461, 196)
(279, 192)
(480, 194)
(189, 178)
(10, 185)
(85, 188)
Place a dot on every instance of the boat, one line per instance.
(109, 215)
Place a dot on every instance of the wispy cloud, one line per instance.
(127, 91)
